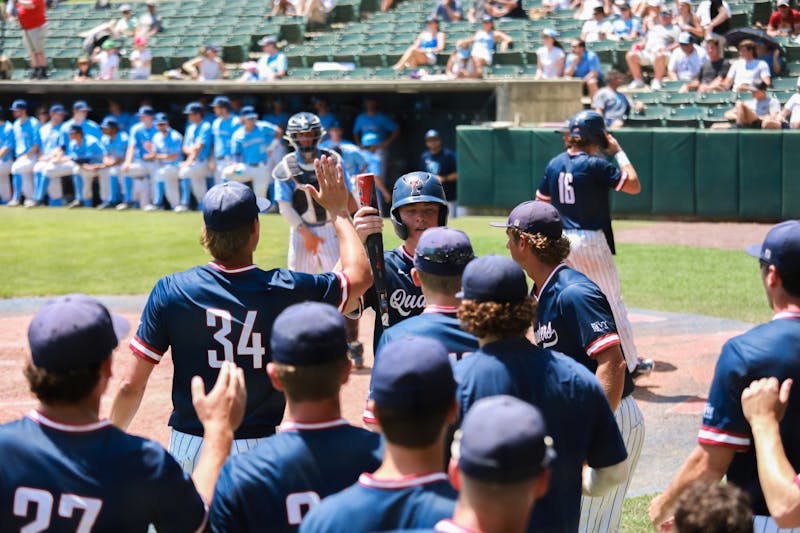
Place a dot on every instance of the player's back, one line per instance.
(574, 407)
(578, 186)
(378, 505)
(94, 477)
(437, 323)
(278, 482)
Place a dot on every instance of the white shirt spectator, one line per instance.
(747, 72)
(268, 66)
(587, 8)
(140, 64)
(108, 65)
(687, 67)
(594, 30)
(704, 11)
(661, 36)
(548, 61)
(793, 107)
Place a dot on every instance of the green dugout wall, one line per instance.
(728, 174)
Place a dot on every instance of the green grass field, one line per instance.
(52, 251)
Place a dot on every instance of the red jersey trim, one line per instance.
(601, 343)
(448, 526)
(717, 437)
(786, 314)
(145, 351)
(220, 268)
(406, 482)
(542, 197)
(39, 418)
(440, 309)
(344, 284)
(537, 291)
(315, 426)
(408, 255)
(621, 183)
(368, 417)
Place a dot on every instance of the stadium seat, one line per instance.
(646, 97)
(641, 121)
(717, 98)
(671, 85)
(677, 98)
(504, 71)
(301, 73)
(508, 58)
(715, 114)
(784, 84)
(685, 117)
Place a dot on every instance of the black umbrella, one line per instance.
(738, 35)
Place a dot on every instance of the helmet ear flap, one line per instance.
(400, 229)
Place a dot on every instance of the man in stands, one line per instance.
(654, 50)
(713, 70)
(784, 21)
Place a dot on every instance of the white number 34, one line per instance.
(42, 501)
(249, 342)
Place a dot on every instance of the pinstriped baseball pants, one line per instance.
(185, 448)
(602, 514)
(766, 524)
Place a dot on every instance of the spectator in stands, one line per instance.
(505, 9)
(651, 16)
(485, 41)
(84, 70)
(584, 64)
(688, 21)
(596, 28)
(610, 103)
(550, 56)
(772, 57)
(555, 5)
(624, 27)
(441, 162)
(714, 17)
(791, 111)
(125, 25)
(449, 10)
(708, 507)
(747, 70)
(317, 11)
(584, 9)
(423, 50)
(386, 5)
(141, 59)
(461, 65)
(250, 71)
(277, 113)
(373, 121)
(660, 41)
(785, 21)
(292, 8)
(273, 64)
(760, 112)
(207, 65)
(477, 11)
(686, 60)
(32, 18)
(150, 23)
(322, 110)
(107, 59)
(712, 72)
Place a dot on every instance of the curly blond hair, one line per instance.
(547, 249)
(504, 320)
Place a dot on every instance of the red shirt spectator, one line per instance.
(31, 13)
(784, 21)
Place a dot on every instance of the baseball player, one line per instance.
(312, 239)
(66, 469)
(576, 182)
(724, 443)
(167, 154)
(222, 129)
(115, 142)
(370, 144)
(6, 157)
(137, 170)
(197, 149)
(441, 162)
(254, 149)
(353, 159)
(316, 453)
(53, 164)
(224, 311)
(496, 308)
(414, 401)
(80, 116)
(27, 145)
(573, 317)
(418, 203)
(87, 156)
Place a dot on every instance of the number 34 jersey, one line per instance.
(210, 314)
(577, 185)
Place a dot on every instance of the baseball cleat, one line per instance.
(150, 207)
(29, 203)
(123, 206)
(355, 351)
(180, 209)
(13, 203)
(104, 205)
(74, 204)
(643, 368)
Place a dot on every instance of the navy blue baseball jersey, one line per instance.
(574, 407)
(65, 478)
(577, 185)
(379, 505)
(574, 317)
(441, 164)
(767, 350)
(274, 485)
(210, 314)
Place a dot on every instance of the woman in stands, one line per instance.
(461, 65)
(550, 56)
(688, 21)
(423, 51)
(206, 66)
(485, 41)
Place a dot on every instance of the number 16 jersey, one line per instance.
(210, 314)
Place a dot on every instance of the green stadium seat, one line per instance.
(504, 71)
(641, 121)
(685, 117)
(677, 98)
(359, 73)
(717, 98)
(656, 110)
(646, 97)
(528, 70)
(371, 59)
(301, 73)
(328, 75)
(386, 73)
(715, 114)
(671, 85)
(296, 61)
(792, 53)
(508, 58)
(784, 84)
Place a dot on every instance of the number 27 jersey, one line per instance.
(577, 184)
(210, 314)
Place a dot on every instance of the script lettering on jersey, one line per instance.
(42, 500)
(545, 336)
(298, 504)
(405, 303)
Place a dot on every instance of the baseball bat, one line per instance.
(365, 184)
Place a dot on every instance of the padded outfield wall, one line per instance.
(730, 174)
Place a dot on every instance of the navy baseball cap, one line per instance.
(231, 205)
(56, 108)
(75, 128)
(503, 440)
(161, 118)
(109, 122)
(146, 110)
(81, 105)
(413, 374)
(193, 107)
(18, 105)
(534, 217)
(432, 134)
(443, 251)
(335, 123)
(249, 111)
(221, 101)
(309, 333)
(493, 278)
(781, 248)
(74, 331)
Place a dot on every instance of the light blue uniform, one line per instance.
(193, 176)
(92, 152)
(6, 141)
(139, 137)
(125, 120)
(48, 174)
(252, 148)
(167, 174)
(199, 134)
(115, 148)
(89, 127)
(353, 158)
(222, 131)
(26, 136)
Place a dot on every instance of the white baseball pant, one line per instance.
(602, 514)
(185, 448)
(168, 175)
(275, 157)
(23, 166)
(104, 179)
(220, 165)
(766, 524)
(258, 174)
(590, 254)
(142, 169)
(5, 180)
(326, 257)
(196, 172)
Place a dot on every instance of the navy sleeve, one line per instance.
(331, 288)
(543, 192)
(225, 513)
(607, 174)
(179, 507)
(448, 163)
(607, 447)
(152, 337)
(589, 313)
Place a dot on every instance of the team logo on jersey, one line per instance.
(545, 336)
(599, 327)
(405, 303)
(708, 412)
